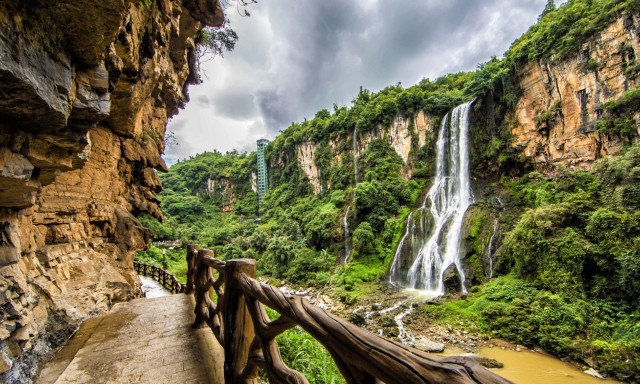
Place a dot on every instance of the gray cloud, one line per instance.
(297, 57)
(202, 101)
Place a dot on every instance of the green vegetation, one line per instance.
(580, 231)
(620, 118)
(558, 34)
(604, 331)
(569, 267)
(145, 3)
(301, 352)
(174, 259)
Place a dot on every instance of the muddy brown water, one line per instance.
(524, 367)
(528, 367)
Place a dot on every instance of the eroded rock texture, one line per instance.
(579, 86)
(398, 135)
(86, 88)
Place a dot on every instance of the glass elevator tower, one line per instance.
(263, 183)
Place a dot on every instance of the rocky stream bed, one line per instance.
(398, 315)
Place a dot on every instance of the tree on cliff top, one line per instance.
(213, 41)
(550, 7)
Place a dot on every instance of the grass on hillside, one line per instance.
(175, 259)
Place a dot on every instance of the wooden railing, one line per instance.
(239, 321)
(163, 277)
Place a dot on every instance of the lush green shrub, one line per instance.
(301, 352)
(309, 267)
(364, 240)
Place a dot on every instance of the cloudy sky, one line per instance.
(295, 57)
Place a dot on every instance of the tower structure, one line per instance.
(263, 183)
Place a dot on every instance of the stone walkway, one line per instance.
(141, 341)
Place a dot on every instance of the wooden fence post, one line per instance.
(201, 280)
(191, 248)
(238, 326)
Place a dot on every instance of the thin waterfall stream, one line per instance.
(493, 235)
(347, 245)
(447, 201)
(495, 227)
(394, 263)
(355, 153)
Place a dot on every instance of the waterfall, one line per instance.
(495, 227)
(449, 197)
(493, 235)
(355, 152)
(396, 258)
(347, 245)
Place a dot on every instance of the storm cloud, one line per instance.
(297, 57)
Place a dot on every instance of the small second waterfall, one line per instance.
(493, 235)
(355, 153)
(436, 227)
(347, 244)
(490, 251)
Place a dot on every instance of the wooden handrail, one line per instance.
(239, 321)
(168, 280)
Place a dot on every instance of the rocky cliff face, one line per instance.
(86, 88)
(573, 92)
(223, 189)
(397, 134)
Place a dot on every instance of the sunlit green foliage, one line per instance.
(580, 232)
(620, 118)
(510, 308)
(174, 259)
(301, 352)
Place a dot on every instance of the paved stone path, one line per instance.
(141, 341)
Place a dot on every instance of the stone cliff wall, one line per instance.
(86, 88)
(397, 134)
(579, 86)
(223, 189)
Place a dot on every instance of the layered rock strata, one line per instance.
(86, 88)
(398, 135)
(573, 91)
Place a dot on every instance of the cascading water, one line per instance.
(355, 152)
(449, 197)
(493, 235)
(394, 264)
(495, 227)
(347, 245)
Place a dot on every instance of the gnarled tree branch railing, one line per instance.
(240, 323)
(163, 277)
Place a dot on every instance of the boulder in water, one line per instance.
(452, 280)
(487, 362)
(427, 345)
(594, 373)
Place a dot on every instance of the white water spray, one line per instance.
(404, 335)
(396, 258)
(347, 245)
(449, 197)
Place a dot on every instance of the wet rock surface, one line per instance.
(429, 346)
(157, 332)
(452, 279)
(84, 108)
(488, 363)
